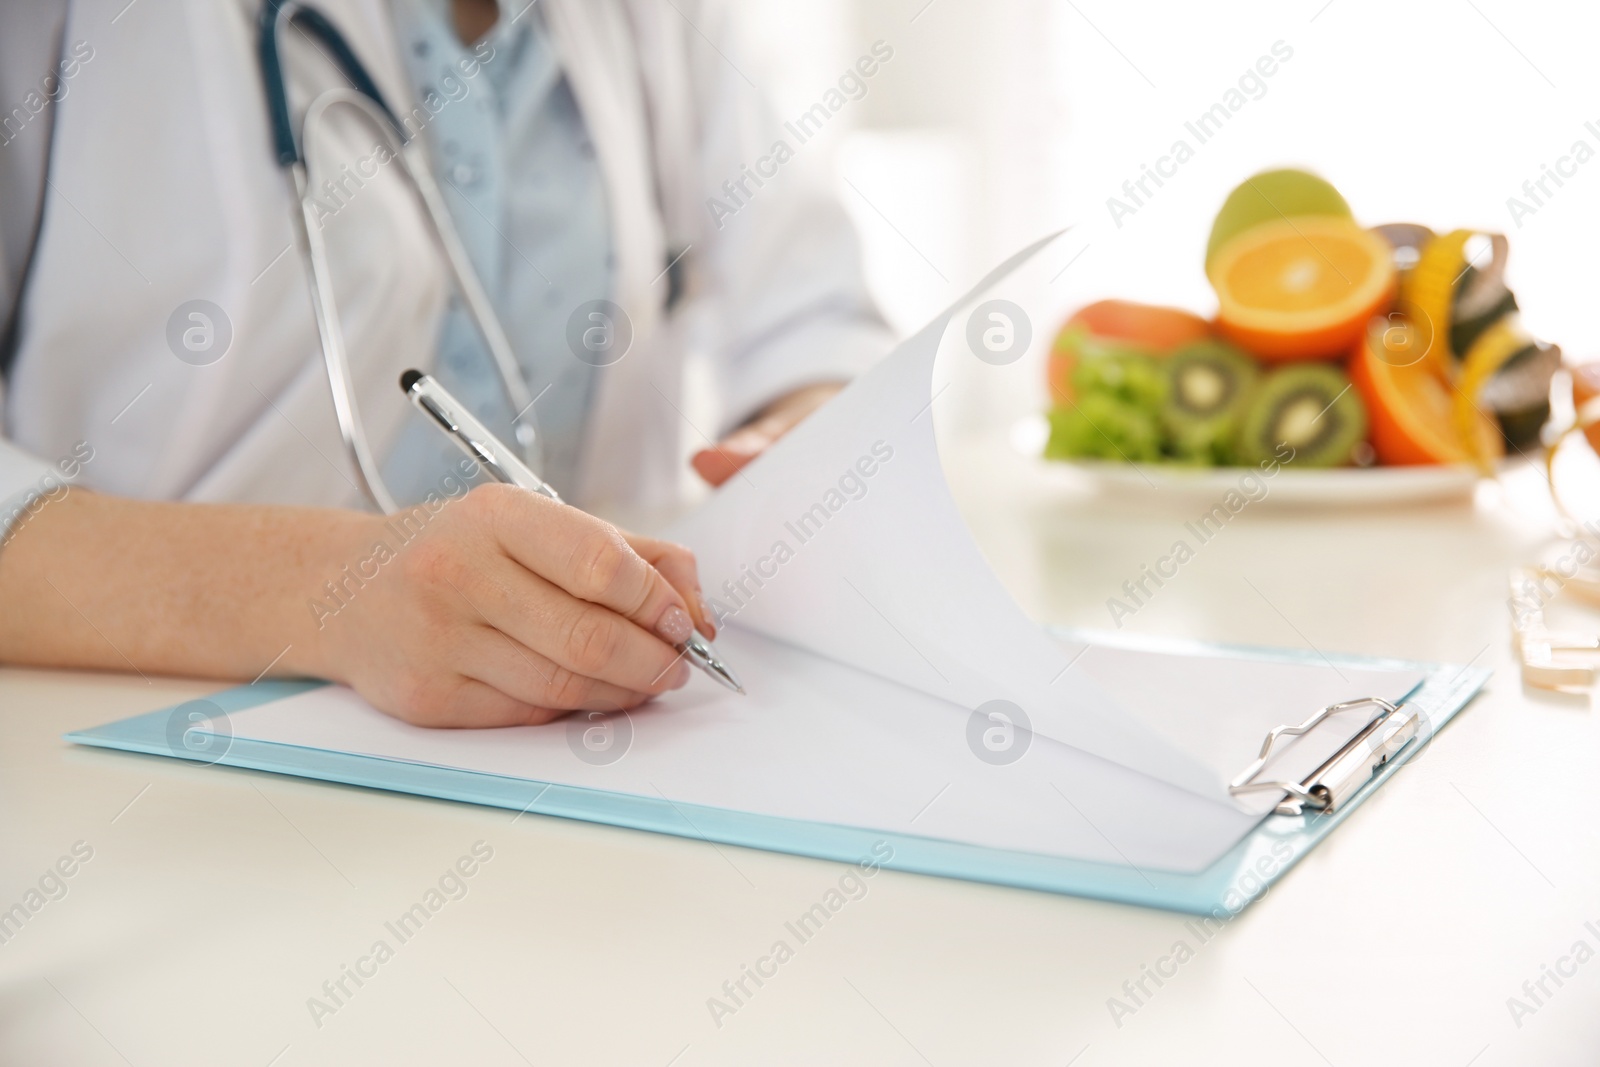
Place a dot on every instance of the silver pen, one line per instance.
(504, 465)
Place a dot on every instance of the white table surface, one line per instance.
(218, 901)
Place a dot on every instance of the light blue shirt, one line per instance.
(518, 171)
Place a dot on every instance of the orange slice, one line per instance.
(1413, 411)
(1301, 288)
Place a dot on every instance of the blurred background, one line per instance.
(997, 122)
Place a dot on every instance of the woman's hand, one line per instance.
(508, 609)
(724, 459)
(491, 608)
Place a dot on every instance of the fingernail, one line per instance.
(706, 613)
(680, 675)
(675, 625)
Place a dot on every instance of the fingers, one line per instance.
(591, 561)
(533, 680)
(513, 609)
(676, 564)
(721, 462)
(574, 635)
(734, 452)
(472, 704)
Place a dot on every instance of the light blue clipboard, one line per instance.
(1224, 889)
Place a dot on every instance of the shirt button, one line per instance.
(464, 174)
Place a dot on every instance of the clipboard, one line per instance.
(1262, 858)
(821, 540)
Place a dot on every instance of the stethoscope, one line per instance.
(299, 159)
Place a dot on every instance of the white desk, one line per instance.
(218, 901)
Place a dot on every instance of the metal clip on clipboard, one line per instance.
(1342, 773)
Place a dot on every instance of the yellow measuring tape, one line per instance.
(1429, 292)
(1491, 351)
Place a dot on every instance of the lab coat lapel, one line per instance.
(634, 397)
(198, 209)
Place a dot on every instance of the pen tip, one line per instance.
(408, 379)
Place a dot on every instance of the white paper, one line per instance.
(868, 630)
(844, 540)
(818, 741)
(814, 741)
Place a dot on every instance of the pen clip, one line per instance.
(476, 449)
(486, 458)
(442, 417)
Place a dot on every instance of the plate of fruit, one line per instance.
(1344, 362)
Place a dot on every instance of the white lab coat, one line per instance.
(163, 190)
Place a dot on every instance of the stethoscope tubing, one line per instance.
(298, 157)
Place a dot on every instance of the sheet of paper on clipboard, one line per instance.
(895, 685)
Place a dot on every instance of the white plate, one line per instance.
(1339, 487)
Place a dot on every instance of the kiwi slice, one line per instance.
(1209, 384)
(1307, 407)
